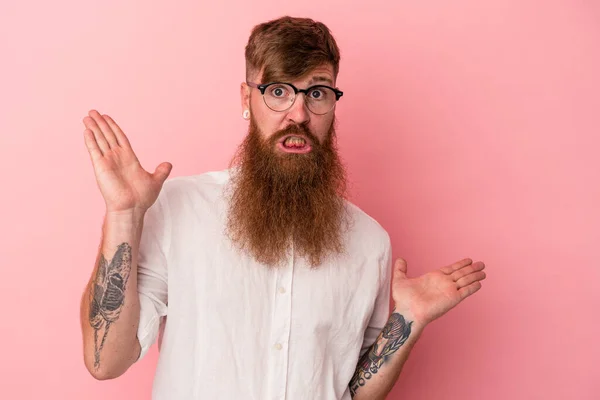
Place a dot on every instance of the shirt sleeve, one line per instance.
(381, 311)
(152, 272)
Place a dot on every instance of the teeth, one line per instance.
(292, 140)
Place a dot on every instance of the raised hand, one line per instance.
(124, 184)
(429, 296)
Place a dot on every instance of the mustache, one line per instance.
(295, 129)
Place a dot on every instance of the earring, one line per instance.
(246, 114)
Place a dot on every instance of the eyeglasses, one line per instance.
(280, 96)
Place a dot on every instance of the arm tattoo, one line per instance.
(107, 294)
(393, 335)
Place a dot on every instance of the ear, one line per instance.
(245, 96)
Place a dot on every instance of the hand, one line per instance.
(124, 184)
(429, 296)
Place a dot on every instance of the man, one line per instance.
(263, 280)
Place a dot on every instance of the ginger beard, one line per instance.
(277, 197)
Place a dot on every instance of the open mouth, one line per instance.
(294, 144)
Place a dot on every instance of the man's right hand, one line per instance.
(124, 184)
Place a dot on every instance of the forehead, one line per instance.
(322, 74)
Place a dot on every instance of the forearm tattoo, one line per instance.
(107, 295)
(391, 338)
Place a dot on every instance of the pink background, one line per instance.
(470, 129)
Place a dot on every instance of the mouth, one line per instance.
(294, 143)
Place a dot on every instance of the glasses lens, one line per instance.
(320, 99)
(279, 96)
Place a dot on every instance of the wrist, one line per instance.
(129, 214)
(417, 324)
(125, 220)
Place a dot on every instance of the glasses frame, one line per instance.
(263, 86)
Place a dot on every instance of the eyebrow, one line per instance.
(320, 79)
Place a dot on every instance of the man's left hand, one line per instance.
(429, 296)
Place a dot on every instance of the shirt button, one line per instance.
(281, 290)
(278, 346)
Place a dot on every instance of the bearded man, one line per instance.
(261, 281)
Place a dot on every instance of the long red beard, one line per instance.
(276, 198)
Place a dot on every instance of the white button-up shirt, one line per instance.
(232, 328)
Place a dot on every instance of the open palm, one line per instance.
(124, 184)
(431, 295)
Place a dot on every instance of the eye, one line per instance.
(278, 91)
(318, 94)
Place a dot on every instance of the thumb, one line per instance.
(162, 172)
(400, 268)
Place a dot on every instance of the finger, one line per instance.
(457, 265)
(468, 279)
(400, 267)
(121, 138)
(162, 172)
(92, 146)
(90, 123)
(106, 130)
(478, 266)
(469, 290)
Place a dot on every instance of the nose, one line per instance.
(298, 112)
